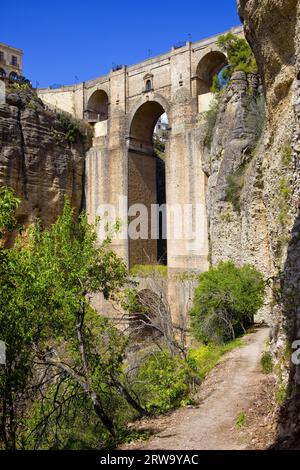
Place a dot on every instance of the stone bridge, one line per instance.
(124, 107)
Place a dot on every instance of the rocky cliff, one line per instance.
(272, 27)
(42, 155)
(252, 160)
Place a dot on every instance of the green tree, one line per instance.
(240, 57)
(53, 336)
(225, 302)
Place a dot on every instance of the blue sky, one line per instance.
(69, 40)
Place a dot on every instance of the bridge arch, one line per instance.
(146, 182)
(152, 97)
(97, 108)
(209, 66)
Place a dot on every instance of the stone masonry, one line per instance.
(124, 107)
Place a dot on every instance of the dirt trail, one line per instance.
(229, 389)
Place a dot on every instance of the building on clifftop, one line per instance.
(10, 61)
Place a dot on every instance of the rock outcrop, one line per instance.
(237, 229)
(37, 158)
(272, 27)
(254, 182)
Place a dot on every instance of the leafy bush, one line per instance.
(240, 57)
(8, 205)
(217, 84)
(226, 300)
(235, 183)
(69, 126)
(162, 382)
(204, 358)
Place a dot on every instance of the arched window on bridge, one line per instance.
(97, 107)
(2, 73)
(148, 85)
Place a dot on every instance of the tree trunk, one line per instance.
(102, 415)
(129, 398)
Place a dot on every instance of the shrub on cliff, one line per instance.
(225, 302)
(240, 57)
(8, 205)
(234, 186)
(72, 128)
(210, 122)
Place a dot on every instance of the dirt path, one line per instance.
(229, 389)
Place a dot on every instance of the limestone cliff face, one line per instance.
(237, 229)
(254, 180)
(272, 27)
(36, 158)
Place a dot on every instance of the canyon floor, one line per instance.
(236, 386)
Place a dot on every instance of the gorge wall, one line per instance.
(37, 158)
(282, 84)
(250, 145)
(272, 28)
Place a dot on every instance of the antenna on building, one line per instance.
(149, 53)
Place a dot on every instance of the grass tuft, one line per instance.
(266, 362)
(241, 420)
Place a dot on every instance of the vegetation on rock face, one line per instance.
(266, 362)
(235, 184)
(210, 121)
(8, 205)
(71, 128)
(240, 57)
(225, 302)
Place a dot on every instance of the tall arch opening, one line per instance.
(147, 185)
(97, 107)
(209, 66)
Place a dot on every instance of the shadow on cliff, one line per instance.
(289, 304)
